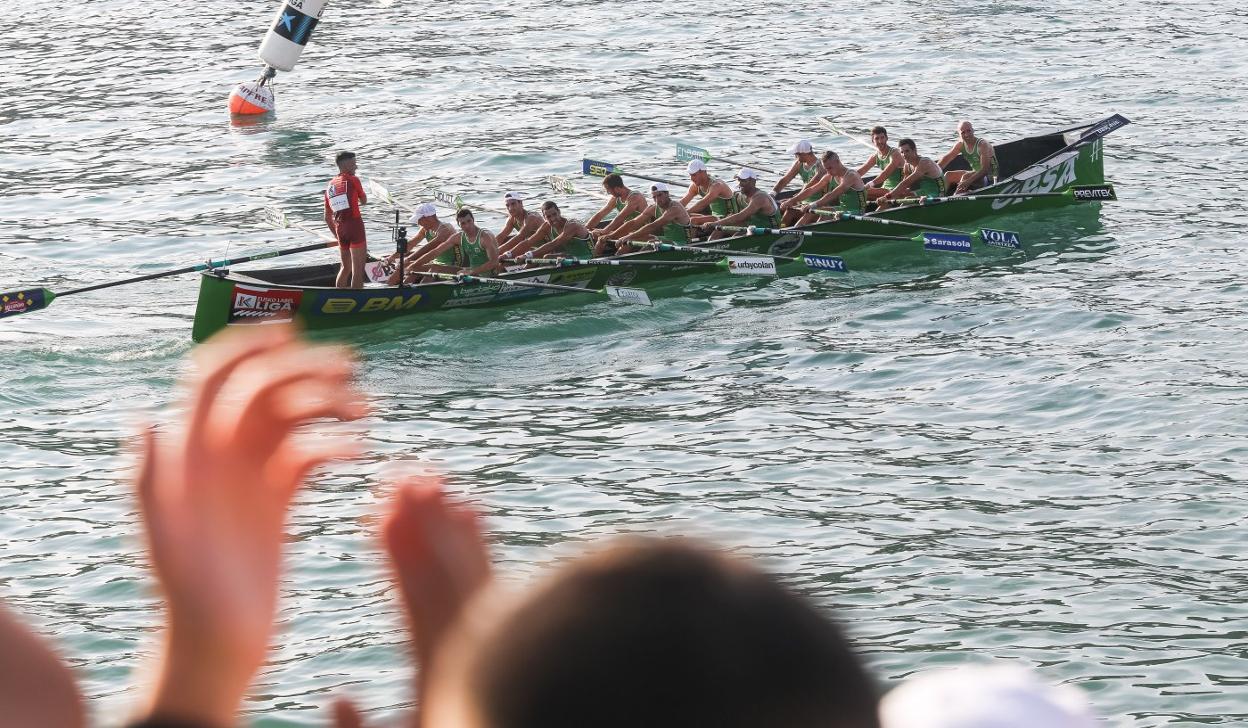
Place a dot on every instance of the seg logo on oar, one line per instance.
(1000, 238)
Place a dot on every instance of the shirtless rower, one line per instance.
(921, 177)
(343, 198)
(715, 198)
(849, 194)
(627, 205)
(754, 207)
(520, 222)
(666, 220)
(558, 236)
(978, 153)
(887, 160)
(430, 246)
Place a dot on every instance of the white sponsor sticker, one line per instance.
(751, 266)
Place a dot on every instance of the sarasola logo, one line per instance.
(1057, 174)
(262, 305)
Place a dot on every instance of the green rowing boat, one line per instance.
(1036, 173)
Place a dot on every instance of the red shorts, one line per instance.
(350, 233)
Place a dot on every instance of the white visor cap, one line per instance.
(424, 210)
(695, 166)
(512, 196)
(984, 696)
(658, 187)
(803, 146)
(747, 173)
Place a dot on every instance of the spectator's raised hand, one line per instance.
(36, 689)
(214, 496)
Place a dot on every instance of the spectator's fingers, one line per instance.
(219, 362)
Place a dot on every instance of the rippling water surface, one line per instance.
(1037, 460)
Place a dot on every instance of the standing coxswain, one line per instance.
(343, 197)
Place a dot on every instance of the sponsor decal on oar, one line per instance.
(594, 168)
(1000, 238)
(947, 242)
(686, 152)
(751, 265)
(449, 199)
(32, 299)
(560, 184)
(628, 295)
(825, 262)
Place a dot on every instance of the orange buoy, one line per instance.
(251, 98)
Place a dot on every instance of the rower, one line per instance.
(805, 165)
(716, 196)
(791, 209)
(978, 153)
(434, 239)
(477, 251)
(920, 174)
(343, 198)
(626, 205)
(754, 207)
(557, 237)
(849, 193)
(666, 220)
(888, 160)
(520, 222)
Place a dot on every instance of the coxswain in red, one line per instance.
(343, 198)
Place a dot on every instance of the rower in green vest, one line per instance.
(753, 207)
(624, 203)
(557, 237)
(520, 223)
(429, 248)
(716, 195)
(476, 253)
(666, 220)
(887, 160)
(923, 177)
(849, 194)
(978, 153)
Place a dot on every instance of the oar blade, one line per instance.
(1000, 238)
(379, 191)
(595, 168)
(1094, 193)
(560, 184)
(628, 295)
(276, 218)
(743, 265)
(825, 262)
(686, 152)
(14, 303)
(947, 242)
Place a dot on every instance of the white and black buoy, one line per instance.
(280, 50)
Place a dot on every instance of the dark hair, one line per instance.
(830, 155)
(907, 142)
(463, 212)
(879, 130)
(343, 156)
(612, 181)
(550, 205)
(660, 633)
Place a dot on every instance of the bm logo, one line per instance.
(370, 305)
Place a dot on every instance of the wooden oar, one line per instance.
(1079, 193)
(33, 299)
(826, 123)
(618, 293)
(595, 168)
(686, 152)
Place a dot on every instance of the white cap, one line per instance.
(695, 166)
(803, 146)
(426, 209)
(512, 196)
(658, 187)
(747, 173)
(984, 696)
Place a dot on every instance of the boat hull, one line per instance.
(306, 294)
